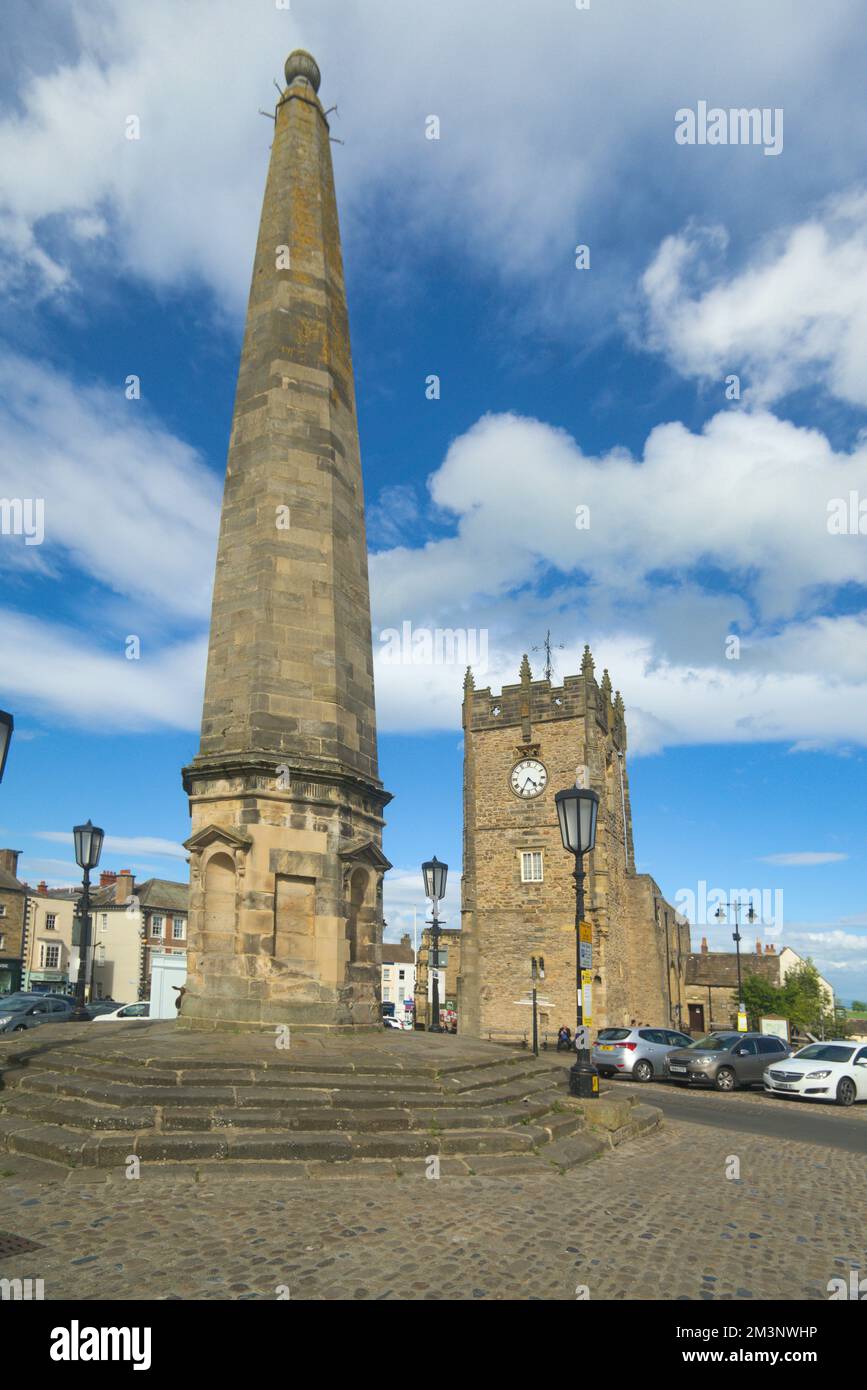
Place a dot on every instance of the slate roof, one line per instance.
(10, 883)
(159, 893)
(393, 953)
(720, 968)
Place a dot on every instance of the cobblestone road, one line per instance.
(655, 1219)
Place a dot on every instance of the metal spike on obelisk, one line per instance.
(286, 860)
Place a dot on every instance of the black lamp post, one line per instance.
(88, 847)
(736, 938)
(7, 724)
(435, 875)
(577, 810)
(537, 972)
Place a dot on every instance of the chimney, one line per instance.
(704, 947)
(42, 886)
(106, 877)
(758, 947)
(9, 861)
(769, 950)
(124, 886)
(406, 939)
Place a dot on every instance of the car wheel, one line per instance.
(20, 1028)
(725, 1079)
(642, 1071)
(846, 1092)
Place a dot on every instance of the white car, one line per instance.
(835, 1070)
(125, 1012)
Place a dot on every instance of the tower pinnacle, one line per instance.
(300, 63)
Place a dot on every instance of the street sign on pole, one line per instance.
(585, 945)
(587, 993)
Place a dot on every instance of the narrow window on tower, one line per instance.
(531, 866)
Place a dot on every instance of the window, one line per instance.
(386, 994)
(103, 922)
(50, 955)
(2, 909)
(100, 950)
(2, 941)
(386, 972)
(531, 866)
(51, 921)
(747, 1048)
(768, 1045)
(179, 929)
(157, 926)
(401, 994)
(401, 974)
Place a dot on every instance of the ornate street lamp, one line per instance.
(7, 724)
(88, 847)
(577, 809)
(736, 938)
(435, 875)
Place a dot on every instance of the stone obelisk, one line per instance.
(286, 862)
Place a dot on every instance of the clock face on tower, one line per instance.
(528, 778)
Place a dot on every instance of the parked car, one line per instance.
(726, 1060)
(636, 1052)
(26, 1009)
(125, 1013)
(389, 1022)
(834, 1070)
(97, 1007)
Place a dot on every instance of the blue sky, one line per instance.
(559, 387)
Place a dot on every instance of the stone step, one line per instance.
(77, 1087)
(112, 1150)
(77, 1114)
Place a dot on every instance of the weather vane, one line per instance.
(547, 648)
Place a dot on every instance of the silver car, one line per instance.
(636, 1052)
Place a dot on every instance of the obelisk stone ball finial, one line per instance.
(300, 63)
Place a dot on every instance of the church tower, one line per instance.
(521, 746)
(286, 862)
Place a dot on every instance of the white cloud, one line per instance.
(721, 501)
(406, 909)
(801, 859)
(550, 123)
(59, 671)
(124, 499)
(723, 497)
(830, 938)
(794, 315)
(121, 844)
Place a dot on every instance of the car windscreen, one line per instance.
(825, 1052)
(715, 1042)
(613, 1034)
(18, 1001)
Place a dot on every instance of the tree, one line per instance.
(859, 1007)
(760, 997)
(805, 1003)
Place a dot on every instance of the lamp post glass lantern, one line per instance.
(7, 724)
(88, 847)
(577, 810)
(435, 875)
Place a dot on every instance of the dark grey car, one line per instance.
(24, 1010)
(726, 1060)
